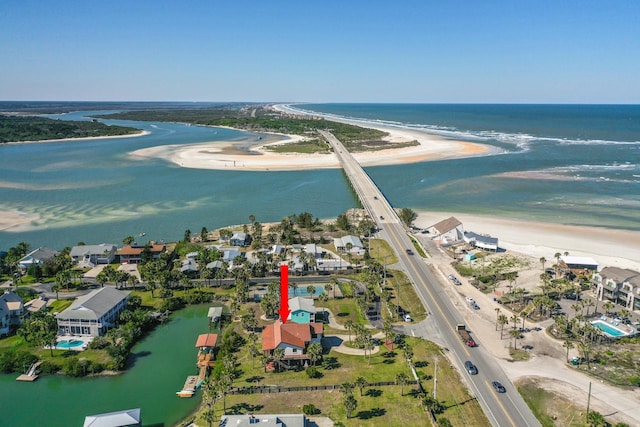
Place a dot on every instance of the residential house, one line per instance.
(266, 420)
(11, 312)
(126, 418)
(351, 244)
(239, 239)
(92, 255)
(302, 310)
(620, 285)
(315, 250)
(449, 230)
(38, 256)
(189, 267)
(487, 243)
(293, 338)
(132, 254)
(35, 305)
(94, 313)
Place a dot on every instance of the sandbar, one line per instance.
(220, 154)
(86, 138)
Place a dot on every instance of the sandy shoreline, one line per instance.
(609, 247)
(220, 155)
(130, 135)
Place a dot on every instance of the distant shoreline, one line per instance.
(221, 155)
(84, 138)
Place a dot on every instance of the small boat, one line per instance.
(185, 393)
(142, 234)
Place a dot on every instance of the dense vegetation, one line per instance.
(28, 128)
(263, 119)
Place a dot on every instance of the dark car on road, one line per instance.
(470, 367)
(409, 252)
(498, 387)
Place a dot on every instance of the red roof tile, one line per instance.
(207, 340)
(294, 334)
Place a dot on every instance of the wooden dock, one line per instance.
(189, 387)
(31, 375)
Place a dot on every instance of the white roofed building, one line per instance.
(93, 314)
(126, 418)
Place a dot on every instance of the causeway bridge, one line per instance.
(502, 409)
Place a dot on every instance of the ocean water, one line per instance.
(564, 164)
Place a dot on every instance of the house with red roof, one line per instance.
(293, 338)
(132, 254)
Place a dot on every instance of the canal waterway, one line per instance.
(160, 365)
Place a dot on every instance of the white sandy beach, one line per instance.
(221, 155)
(610, 247)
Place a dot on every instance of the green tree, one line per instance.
(40, 329)
(361, 383)
(407, 216)
(278, 356)
(314, 351)
(402, 379)
(350, 405)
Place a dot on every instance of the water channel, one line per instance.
(160, 365)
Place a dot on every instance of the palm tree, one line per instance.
(349, 325)
(328, 288)
(608, 306)
(293, 286)
(568, 345)
(515, 334)
(311, 290)
(502, 320)
(350, 405)
(543, 261)
(323, 298)
(402, 379)
(498, 311)
(346, 389)
(407, 351)
(314, 351)
(278, 355)
(557, 256)
(361, 383)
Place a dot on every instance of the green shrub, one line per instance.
(312, 372)
(310, 409)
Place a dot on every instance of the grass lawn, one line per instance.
(382, 252)
(546, 406)
(377, 406)
(405, 295)
(345, 309)
(60, 305)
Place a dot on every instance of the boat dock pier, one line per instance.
(31, 375)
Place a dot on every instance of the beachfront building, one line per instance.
(302, 310)
(447, 231)
(619, 285)
(486, 243)
(293, 338)
(578, 265)
(265, 420)
(36, 257)
(126, 418)
(92, 255)
(11, 312)
(351, 244)
(239, 239)
(93, 314)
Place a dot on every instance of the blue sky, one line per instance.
(321, 51)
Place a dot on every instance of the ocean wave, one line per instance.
(519, 140)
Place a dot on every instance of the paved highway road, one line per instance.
(502, 409)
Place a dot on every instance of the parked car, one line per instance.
(499, 388)
(470, 367)
(469, 300)
(407, 317)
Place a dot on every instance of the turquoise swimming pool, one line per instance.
(67, 344)
(608, 329)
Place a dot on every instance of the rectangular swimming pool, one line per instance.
(608, 329)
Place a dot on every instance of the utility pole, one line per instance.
(435, 377)
(588, 400)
